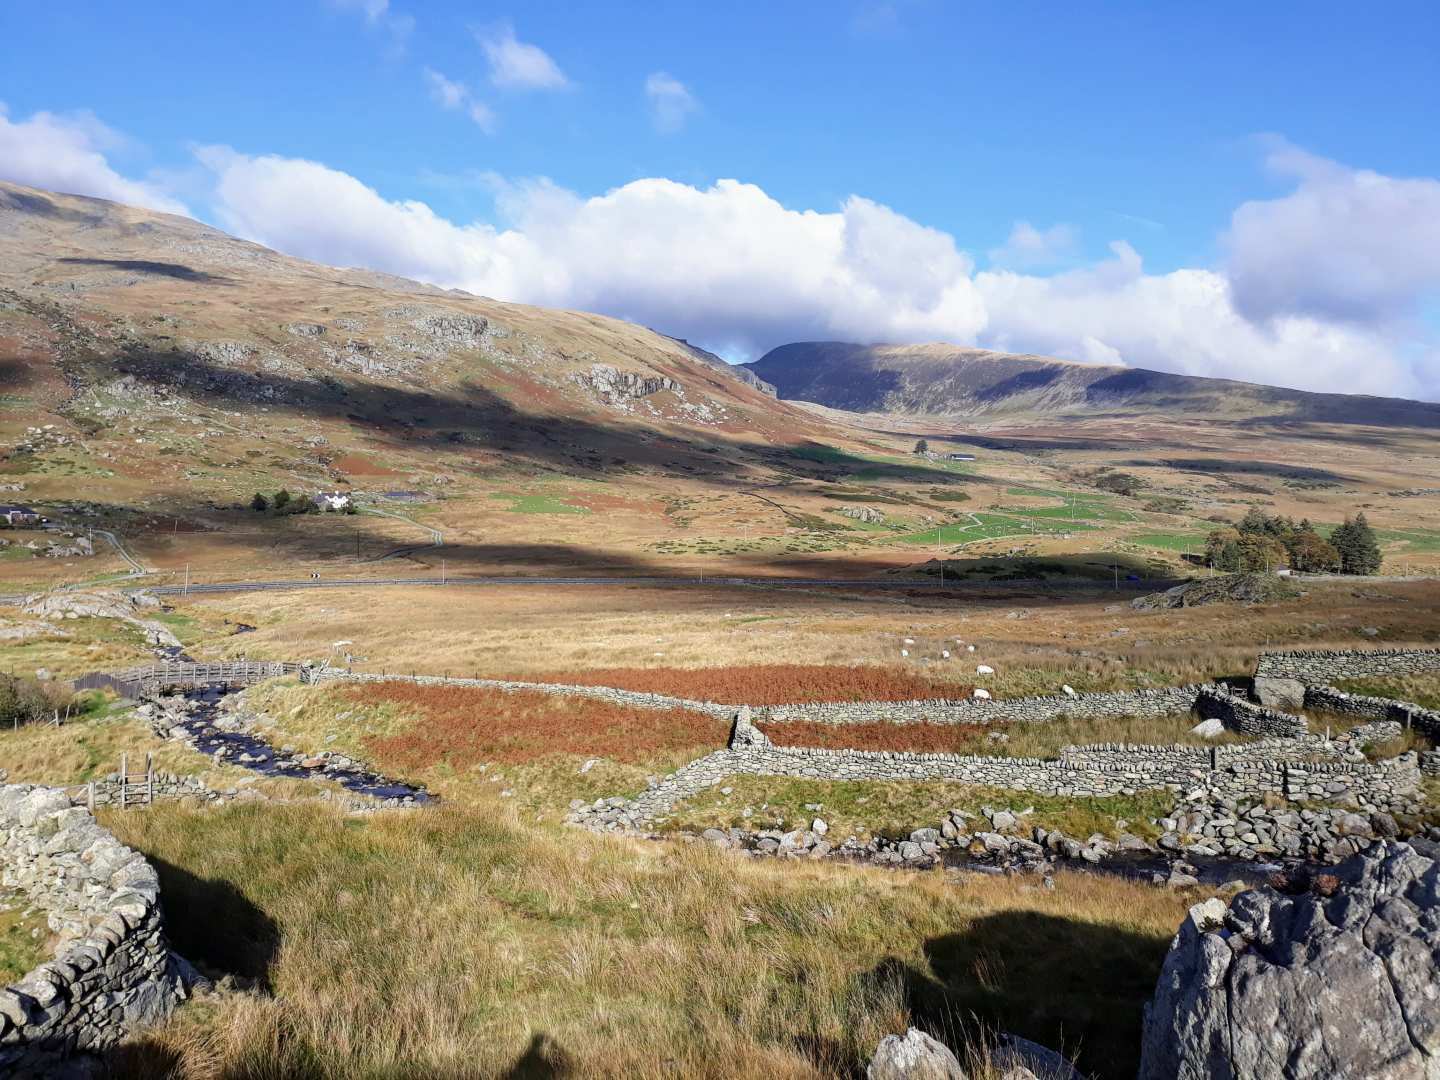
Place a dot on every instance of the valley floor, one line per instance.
(483, 938)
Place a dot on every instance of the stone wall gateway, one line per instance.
(1241, 716)
(113, 971)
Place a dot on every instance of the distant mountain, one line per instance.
(950, 380)
(167, 358)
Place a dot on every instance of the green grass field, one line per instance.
(988, 526)
(537, 504)
(1169, 541)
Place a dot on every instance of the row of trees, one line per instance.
(1261, 541)
(283, 503)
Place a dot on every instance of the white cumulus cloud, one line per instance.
(68, 153)
(731, 267)
(449, 94)
(1347, 244)
(518, 65)
(1028, 246)
(670, 100)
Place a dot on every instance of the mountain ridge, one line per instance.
(944, 380)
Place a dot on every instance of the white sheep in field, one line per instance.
(904, 652)
(983, 694)
(969, 648)
(945, 654)
(984, 669)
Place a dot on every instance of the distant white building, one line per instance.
(333, 500)
(19, 515)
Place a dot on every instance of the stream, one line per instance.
(205, 733)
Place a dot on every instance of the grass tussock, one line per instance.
(770, 684)
(25, 939)
(458, 943)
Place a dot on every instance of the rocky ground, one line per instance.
(1001, 838)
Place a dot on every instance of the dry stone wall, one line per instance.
(1321, 667)
(113, 970)
(1270, 767)
(1171, 701)
(1241, 716)
(1328, 699)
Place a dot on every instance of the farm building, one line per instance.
(19, 515)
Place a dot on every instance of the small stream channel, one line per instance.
(253, 753)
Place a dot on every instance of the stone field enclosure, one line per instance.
(764, 737)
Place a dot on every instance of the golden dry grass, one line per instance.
(459, 943)
(1034, 641)
(86, 750)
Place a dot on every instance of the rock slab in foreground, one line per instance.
(1315, 986)
(913, 1056)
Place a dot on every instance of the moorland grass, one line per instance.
(1042, 740)
(458, 943)
(865, 808)
(88, 749)
(1419, 689)
(24, 938)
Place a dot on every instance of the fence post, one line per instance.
(90, 796)
(124, 773)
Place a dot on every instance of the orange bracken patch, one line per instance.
(767, 684)
(461, 726)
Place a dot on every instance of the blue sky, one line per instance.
(1058, 158)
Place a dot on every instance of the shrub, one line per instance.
(1121, 483)
(259, 503)
(28, 701)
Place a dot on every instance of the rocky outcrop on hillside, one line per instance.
(1230, 589)
(104, 604)
(1339, 981)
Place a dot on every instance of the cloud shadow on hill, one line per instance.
(411, 417)
(178, 271)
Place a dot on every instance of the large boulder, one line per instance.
(1341, 981)
(1274, 693)
(913, 1056)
